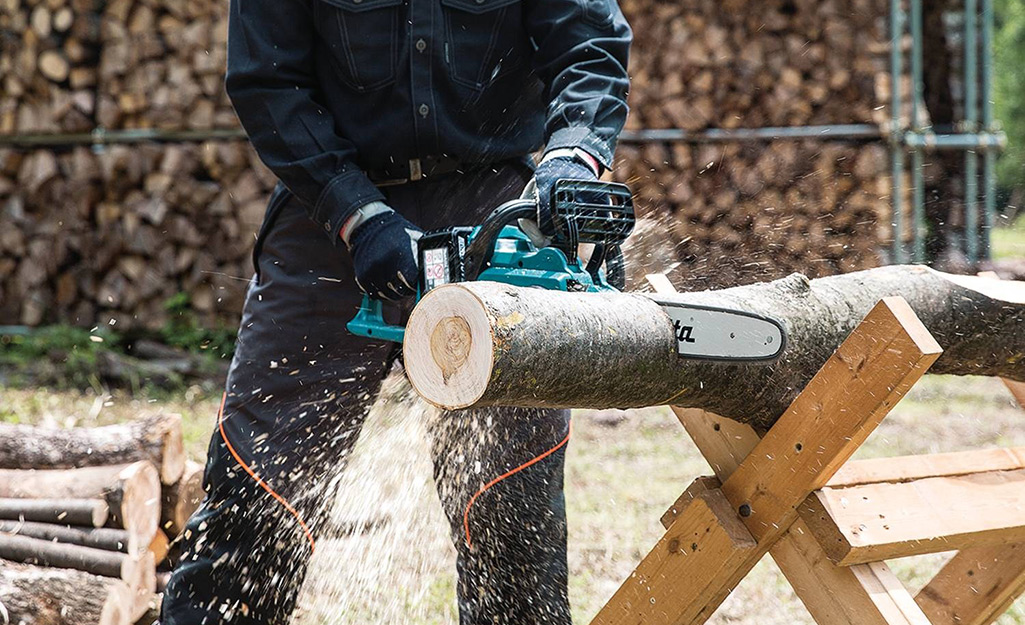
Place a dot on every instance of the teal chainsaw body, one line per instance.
(584, 212)
(500, 251)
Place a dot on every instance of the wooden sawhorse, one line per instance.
(827, 524)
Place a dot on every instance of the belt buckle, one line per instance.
(391, 182)
(416, 171)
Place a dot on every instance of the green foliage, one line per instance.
(66, 356)
(1009, 89)
(184, 331)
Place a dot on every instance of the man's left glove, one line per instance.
(383, 248)
(555, 167)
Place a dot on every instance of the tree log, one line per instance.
(159, 547)
(157, 439)
(482, 344)
(32, 595)
(84, 512)
(99, 538)
(180, 500)
(132, 493)
(46, 553)
(138, 571)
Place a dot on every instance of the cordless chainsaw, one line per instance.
(583, 212)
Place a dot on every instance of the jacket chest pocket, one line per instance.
(483, 39)
(363, 37)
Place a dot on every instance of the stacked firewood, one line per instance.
(110, 236)
(89, 515)
(745, 211)
(162, 65)
(48, 54)
(738, 64)
(734, 213)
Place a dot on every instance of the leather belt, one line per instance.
(414, 169)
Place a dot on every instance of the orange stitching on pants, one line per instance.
(466, 513)
(252, 474)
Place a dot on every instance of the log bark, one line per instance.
(99, 538)
(84, 512)
(132, 493)
(486, 344)
(180, 500)
(137, 571)
(157, 439)
(33, 595)
(46, 553)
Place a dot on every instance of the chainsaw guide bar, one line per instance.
(723, 334)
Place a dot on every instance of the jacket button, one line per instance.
(421, 45)
(327, 224)
(424, 110)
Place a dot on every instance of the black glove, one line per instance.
(545, 177)
(384, 256)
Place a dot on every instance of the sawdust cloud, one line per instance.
(387, 542)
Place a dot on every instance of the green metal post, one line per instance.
(971, 217)
(896, 145)
(990, 155)
(918, 182)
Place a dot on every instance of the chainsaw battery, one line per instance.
(442, 257)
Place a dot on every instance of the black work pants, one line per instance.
(297, 394)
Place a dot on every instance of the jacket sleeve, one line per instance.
(581, 56)
(273, 86)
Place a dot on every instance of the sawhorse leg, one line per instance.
(978, 584)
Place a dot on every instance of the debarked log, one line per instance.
(480, 344)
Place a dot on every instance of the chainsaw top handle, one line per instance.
(482, 247)
(583, 211)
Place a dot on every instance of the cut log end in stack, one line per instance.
(92, 508)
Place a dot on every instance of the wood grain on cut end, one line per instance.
(450, 345)
(180, 500)
(455, 345)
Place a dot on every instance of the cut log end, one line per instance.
(456, 345)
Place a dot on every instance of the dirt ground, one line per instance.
(623, 470)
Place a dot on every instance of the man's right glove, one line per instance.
(554, 167)
(383, 248)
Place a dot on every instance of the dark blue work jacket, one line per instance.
(330, 89)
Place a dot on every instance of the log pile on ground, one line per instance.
(91, 238)
(48, 55)
(94, 508)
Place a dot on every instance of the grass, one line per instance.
(620, 478)
(1009, 242)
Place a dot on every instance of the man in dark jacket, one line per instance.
(382, 119)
